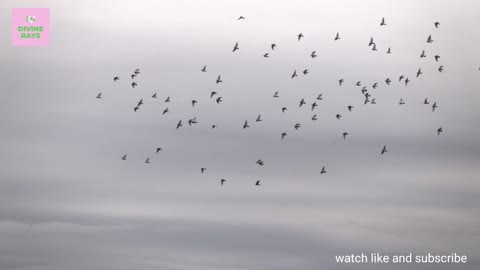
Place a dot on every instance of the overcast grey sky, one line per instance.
(67, 200)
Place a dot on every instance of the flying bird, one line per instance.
(284, 109)
(266, 55)
(133, 76)
(345, 135)
(319, 97)
(260, 162)
(426, 101)
(371, 42)
(401, 102)
(439, 130)
(140, 102)
(245, 125)
(284, 134)
(350, 108)
(257, 183)
(389, 50)
(167, 100)
(419, 72)
(440, 68)
(202, 170)
(374, 48)
(219, 79)
(340, 82)
(147, 161)
(124, 157)
(154, 95)
(337, 37)
(235, 48)
(323, 170)
(213, 93)
(99, 96)
(136, 109)
(302, 102)
(194, 102)
(314, 104)
(222, 181)
(165, 111)
(219, 99)
(276, 95)
(297, 126)
(314, 117)
(241, 18)
(429, 39)
(134, 84)
(204, 69)
(423, 55)
(116, 79)
(383, 22)
(384, 150)
(338, 116)
(158, 149)
(305, 71)
(436, 24)
(300, 36)
(437, 57)
(388, 81)
(273, 46)
(313, 54)
(259, 119)
(179, 124)
(294, 74)
(434, 106)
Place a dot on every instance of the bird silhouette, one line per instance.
(266, 55)
(241, 18)
(147, 161)
(179, 124)
(401, 78)
(140, 102)
(302, 102)
(273, 46)
(213, 93)
(158, 149)
(297, 126)
(313, 54)
(388, 81)
(437, 57)
(284, 134)
(406, 81)
(300, 36)
(383, 22)
(371, 42)
(374, 48)
(345, 135)
(218, 100)
(440, 68)
(257, 183)
(319, 97)
(350, 107)
(235, 48)
(384, 150)
(124, 157)
(436, 24)
(134, 84)
(294, 74)
(99, 96)
(222, 181)
(167, 100)
(260, 162)
(165, 111)
(340, 82)
(401, 102)
(284, 109)
(154, 95)
(323, 170)
(194, 102)
(314, 104)
(434, 106)
(219, 79)
(305, 71)
(389, 50)
(204, 69)
(359, 83)
(258, 118)
(276, 95)
(245, 125)
(426, 101)
(202, 170)
(116, 79)
(338, 116)
(337, 37)
(423, 55)
(419, 72)
(314, 117)
(133, 76)
(429, 39)
(439, 130)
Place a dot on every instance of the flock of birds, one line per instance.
(368, 99)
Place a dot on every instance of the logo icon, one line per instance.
(30, 27)
(30, 19)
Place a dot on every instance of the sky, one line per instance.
(68, 201)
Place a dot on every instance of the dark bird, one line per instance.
(219, 99)
(429, 39)
(388, 81)
(439, 130)
(276, 95)
(284, 134)
(136, 109)
(124, 157)
(284, 109)
(158, 149)
(314, 117)
(437, 57)
(165, 111)
(202, 170)
(213, 93)
(167, 100)
(314, 104)
(423, 55)
(319, 97)
(260, 162)
(219, 79)
(374, 85)
(241, 18)
(383, 22)
(359, 83)
(373, 101)
(440, 68)
(222, 181)
(345, 135)
(401, 102)
(436, 24)
(371, 42)
(426, 101)
(384, 150)
(134, 84)
(137, 71)
(273, 46)
(140, 102)
(297, 126)
(116, 79)
(313, 54)
(305, 71)
(154, 95)
(434, 106)
(374, 48)
(302, 102)
(194, 102)
(406, 81)
(245, 125)
(419, 72)
(300, 36)
(257, 183)
(340, 82)
(99, 96)
(214, 126)
(259, 119)
(338, 116)
(204, 69)
(337, 37)
(389, 50)
(179, 124)
(323, 170)
(294, 74)
(350, 108)
(401, 78)
(266, 55)
(147, 161)
(235, 47)
(133, 76)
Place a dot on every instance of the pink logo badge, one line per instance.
(31, 27)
